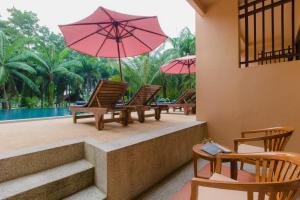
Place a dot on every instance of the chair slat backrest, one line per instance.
(144, 95)
(185, 97)
(107, 94)
(277, 138)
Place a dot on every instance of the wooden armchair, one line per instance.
(277, 178)
(273, 139)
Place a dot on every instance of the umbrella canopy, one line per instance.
(111, 34)
(184, 65)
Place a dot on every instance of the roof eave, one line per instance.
(198, 6)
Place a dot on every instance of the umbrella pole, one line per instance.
(120, 64)
(190, 76)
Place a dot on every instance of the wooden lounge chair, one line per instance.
(186, 102)
(277, 178)
(141, 102)
(103, 100)
(272, 139)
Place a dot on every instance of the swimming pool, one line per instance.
(15, 114)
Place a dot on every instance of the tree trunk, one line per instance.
(42, 95)
(164, 91)
(51, 93)
(5, 104)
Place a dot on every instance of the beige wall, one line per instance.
(231, 99)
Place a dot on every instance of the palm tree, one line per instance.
(57, 70)
(181, 46)
(160, 57)
(13, 67)
(89, 72)
(136, 71)
(185, 44)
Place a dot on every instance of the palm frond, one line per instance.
(27, 81)
(3, 75)
(68, 74)
(74, 76)
(70, 64)
(60, 70)
(2, 50)
(21, 66)
(30, 57)
(155, 76)
(64, 53)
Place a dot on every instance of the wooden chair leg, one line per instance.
(130, 120)
(124, 116)
(194, 109)
(233, 169)
(99, 121)
(242, 166)
(141, 115)
(157, 113)
(186, 110)
(74, 117)
(212, 167)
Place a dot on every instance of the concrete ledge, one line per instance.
(125, 168)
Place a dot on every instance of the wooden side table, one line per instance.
(199, 154)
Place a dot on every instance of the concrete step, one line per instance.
(90, 193)
(32, 160)
(51, 184)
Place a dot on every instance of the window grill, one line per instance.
(266, 49)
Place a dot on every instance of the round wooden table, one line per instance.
(199, 154)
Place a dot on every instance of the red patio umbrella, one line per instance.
(110, 34)
(184, 65)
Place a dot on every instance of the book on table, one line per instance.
(214, 148)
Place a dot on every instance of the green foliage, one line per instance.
(36, 68)
(144, 69)
(13, 69)
(25, 22)
(30, 102)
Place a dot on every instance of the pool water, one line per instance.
(15, 114)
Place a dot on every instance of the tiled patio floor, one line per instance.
(166, 189)
(26, 134)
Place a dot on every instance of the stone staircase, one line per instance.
(55, 172)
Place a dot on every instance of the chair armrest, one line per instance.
(256, 156)
(196, 182)
(253, 139)
(237, 141)
(245, 133)
(265, 130)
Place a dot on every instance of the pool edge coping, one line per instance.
(34, 119)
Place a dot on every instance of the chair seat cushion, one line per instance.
(243, 176)
(221, 177)
(209, 193)
(185, 192)
(245, 148)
